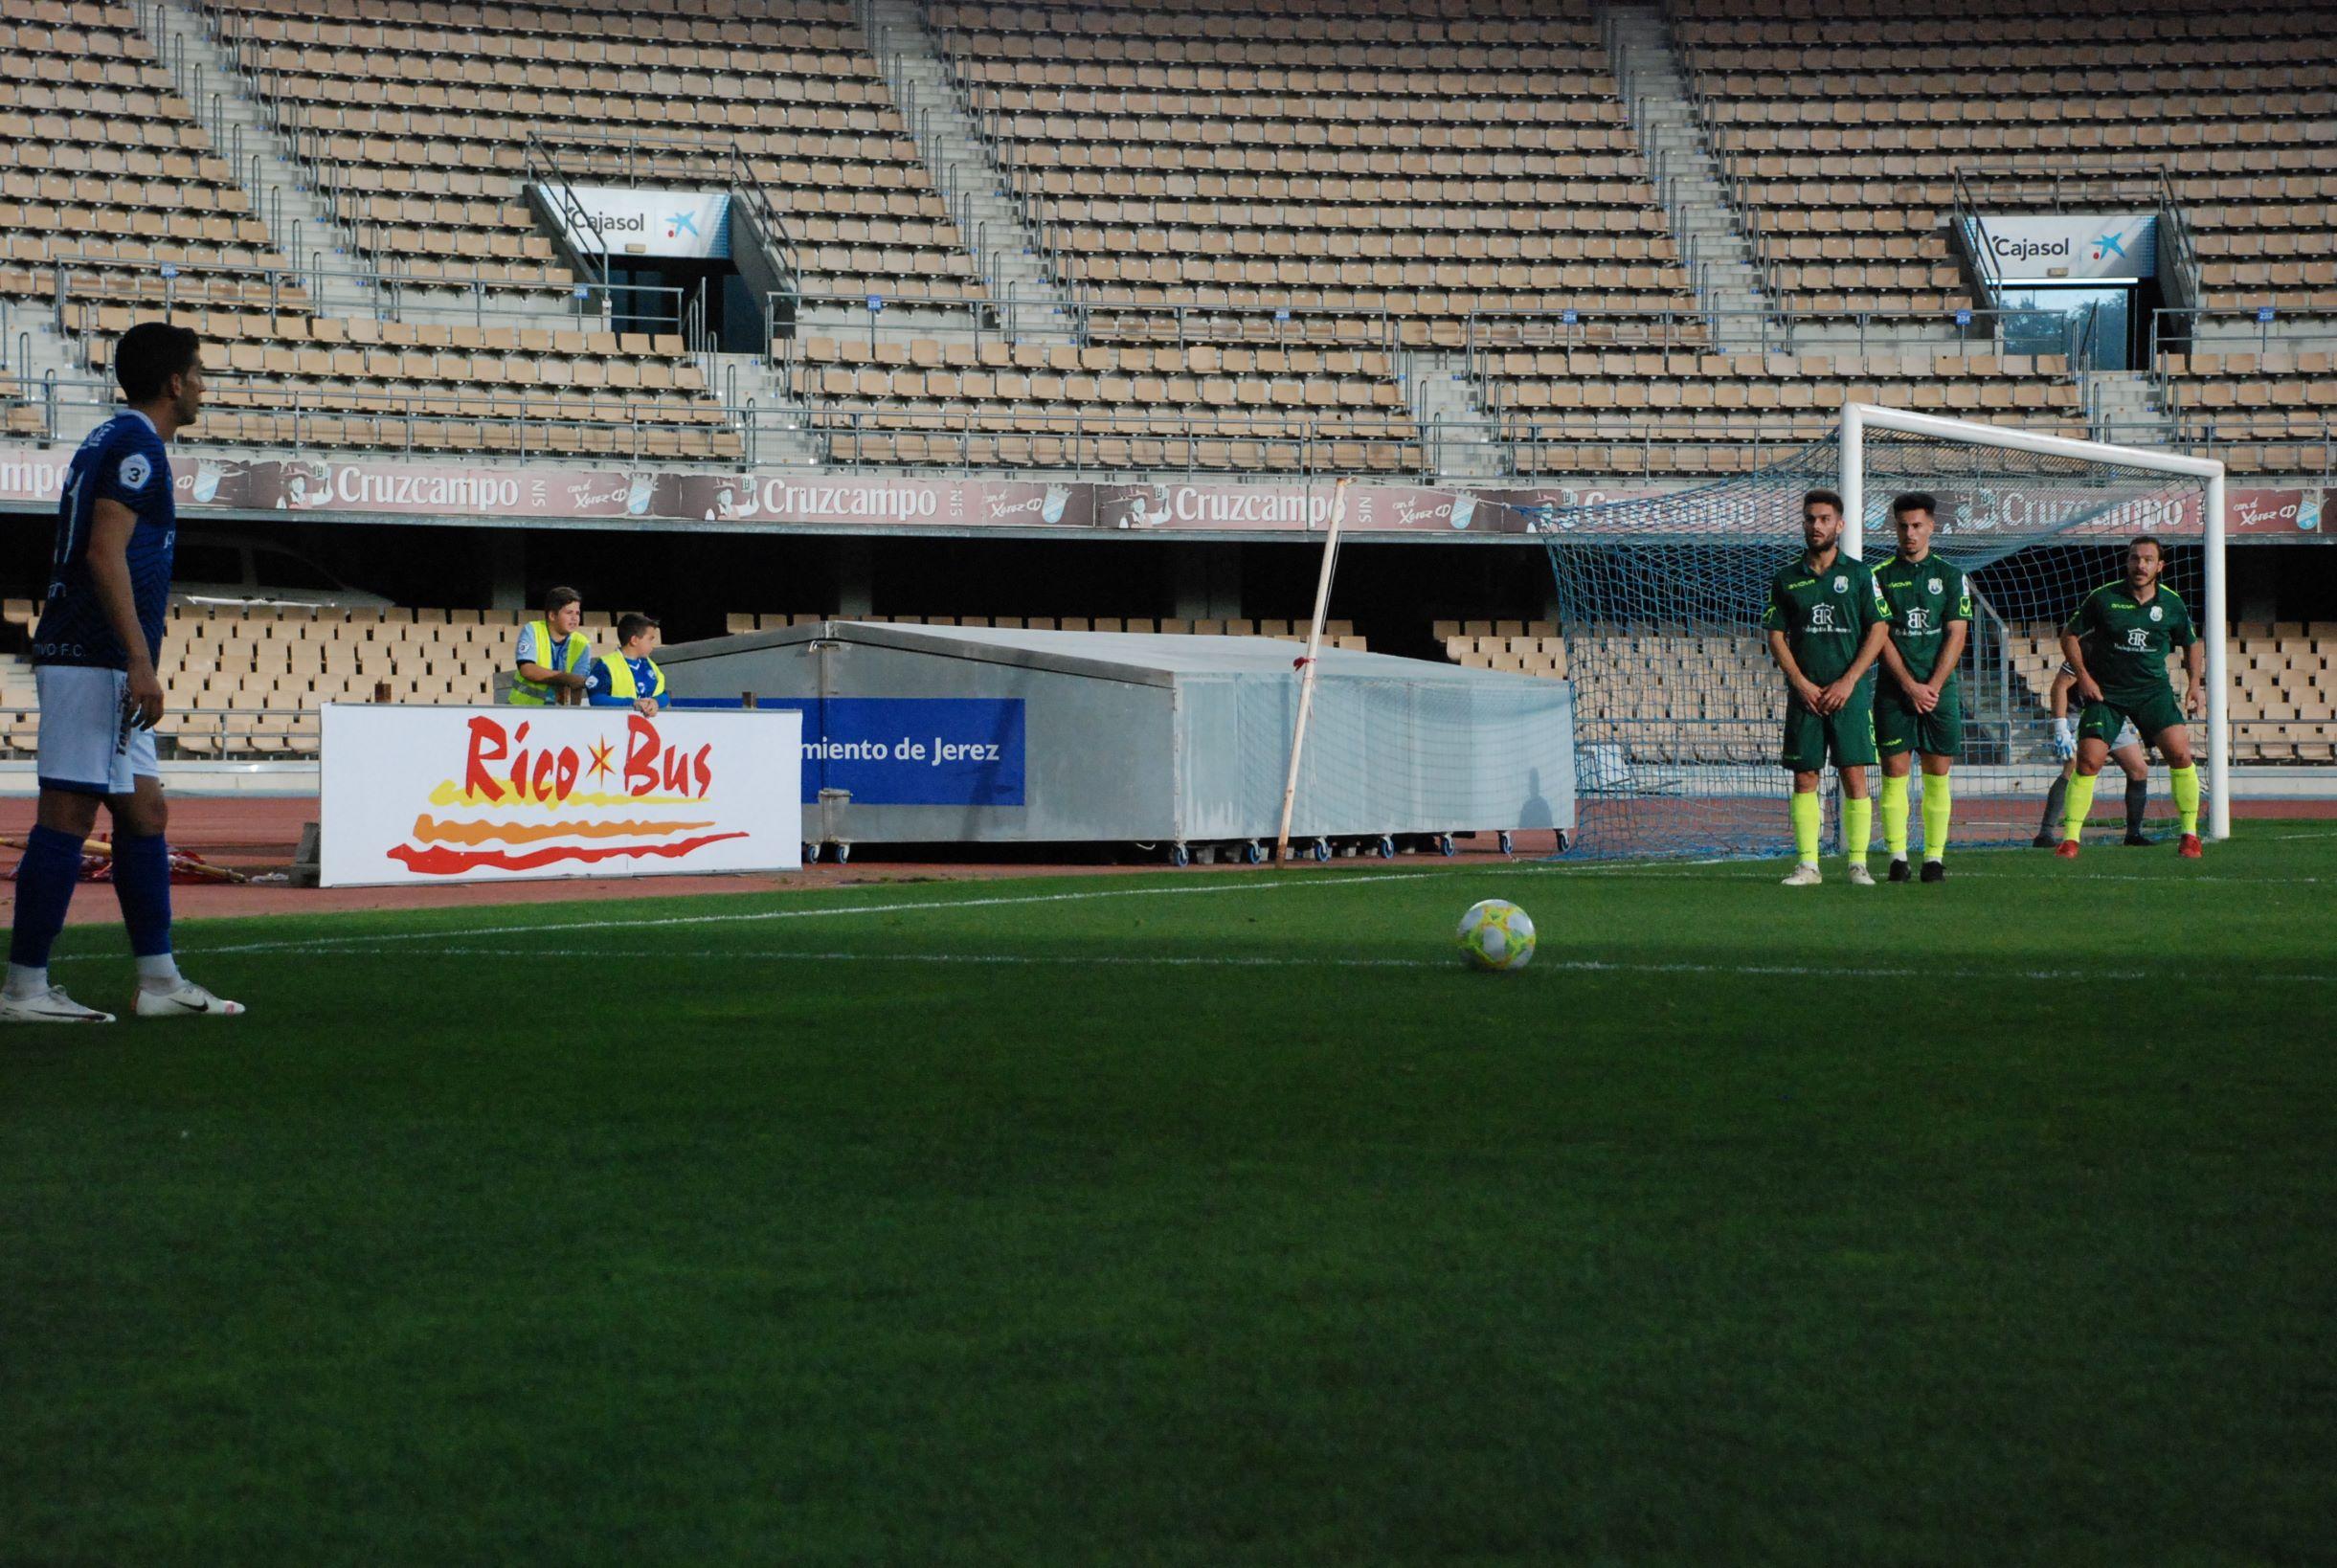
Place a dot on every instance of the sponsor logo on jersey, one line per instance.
(136, 470)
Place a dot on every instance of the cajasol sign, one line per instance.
(2051, 247)
(640, 220)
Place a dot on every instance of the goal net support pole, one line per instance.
(1859, 419)
(1305, 666)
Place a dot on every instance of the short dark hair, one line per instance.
(2150, 539)
(1915, 500)
(633, 624)
(1821, 498)
(149, 354)
(560, 599)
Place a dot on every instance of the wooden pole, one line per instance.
(1305, 666)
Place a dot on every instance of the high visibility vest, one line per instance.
(529, 694)
(621, 683)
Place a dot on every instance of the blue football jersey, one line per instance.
(123, 460)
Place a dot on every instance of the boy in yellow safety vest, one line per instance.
(631, 678)
(551, 653)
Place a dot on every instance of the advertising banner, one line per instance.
(631, 220)
(444, 794)
(752, 500)
(2039, 247)
(912, 751)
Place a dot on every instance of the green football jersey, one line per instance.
(1824, 614)
(2127, 640)
(1923, 597)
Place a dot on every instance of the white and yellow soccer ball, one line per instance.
(1497, 935)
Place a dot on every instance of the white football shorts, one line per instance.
(87, 744)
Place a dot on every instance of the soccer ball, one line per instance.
(1497, 934)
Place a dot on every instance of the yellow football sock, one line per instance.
(1857, 829)
(1807, 819)
(2080, 802)
(1935, 816)
(2186, 781)
(1895, 816)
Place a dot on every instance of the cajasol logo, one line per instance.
(678, 224)
(2029, 250)
(2109, 245)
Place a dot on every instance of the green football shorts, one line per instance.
(1847, 737)
(1937, 734)
(2153, 713)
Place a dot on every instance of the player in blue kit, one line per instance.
(94, 666)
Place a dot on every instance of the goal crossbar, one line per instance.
(1859, 418)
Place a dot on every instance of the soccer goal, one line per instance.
(1659, 600)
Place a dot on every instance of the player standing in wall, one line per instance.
(2117, 643)
(94, 663)
(1827, 624)
(1919, 711)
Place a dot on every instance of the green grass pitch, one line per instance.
(1203, 1220)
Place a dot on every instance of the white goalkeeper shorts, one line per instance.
(87, 744)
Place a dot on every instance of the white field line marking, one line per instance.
(1224, 885)
(1595, 965)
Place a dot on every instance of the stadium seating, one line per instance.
(1844, 132)
(318, 380)
(425, 169)
(926, 400)
(103, 163)
(1284, 154)
(1609, 410)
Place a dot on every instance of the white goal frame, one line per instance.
(1858, 418)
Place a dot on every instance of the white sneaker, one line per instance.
(1859, 875)
(51, 1006)
(1805, 875)
(188, 1001)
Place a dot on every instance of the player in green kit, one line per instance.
(1827, 624)
(1918, 709)
(2117, 643)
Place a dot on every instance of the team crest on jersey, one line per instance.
(1933, 588)
(2157, 612)
(1842, 585)
(136, 470)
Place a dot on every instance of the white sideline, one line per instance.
(1230, 883)
(1591, 966)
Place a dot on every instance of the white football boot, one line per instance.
(1805, 875)
(190, 1000)
(51, 1006)
(1859, 875)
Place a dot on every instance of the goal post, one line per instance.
(1657, 597)
(1861, 421)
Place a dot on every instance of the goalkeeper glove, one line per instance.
(2064, 740)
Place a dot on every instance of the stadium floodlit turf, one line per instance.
(1202, 1219)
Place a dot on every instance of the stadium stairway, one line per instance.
(2124, 408)
(35, 355)
(1462, 441)
(991, 222)
(1704, 224)
(780, 434)
(302, 225)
